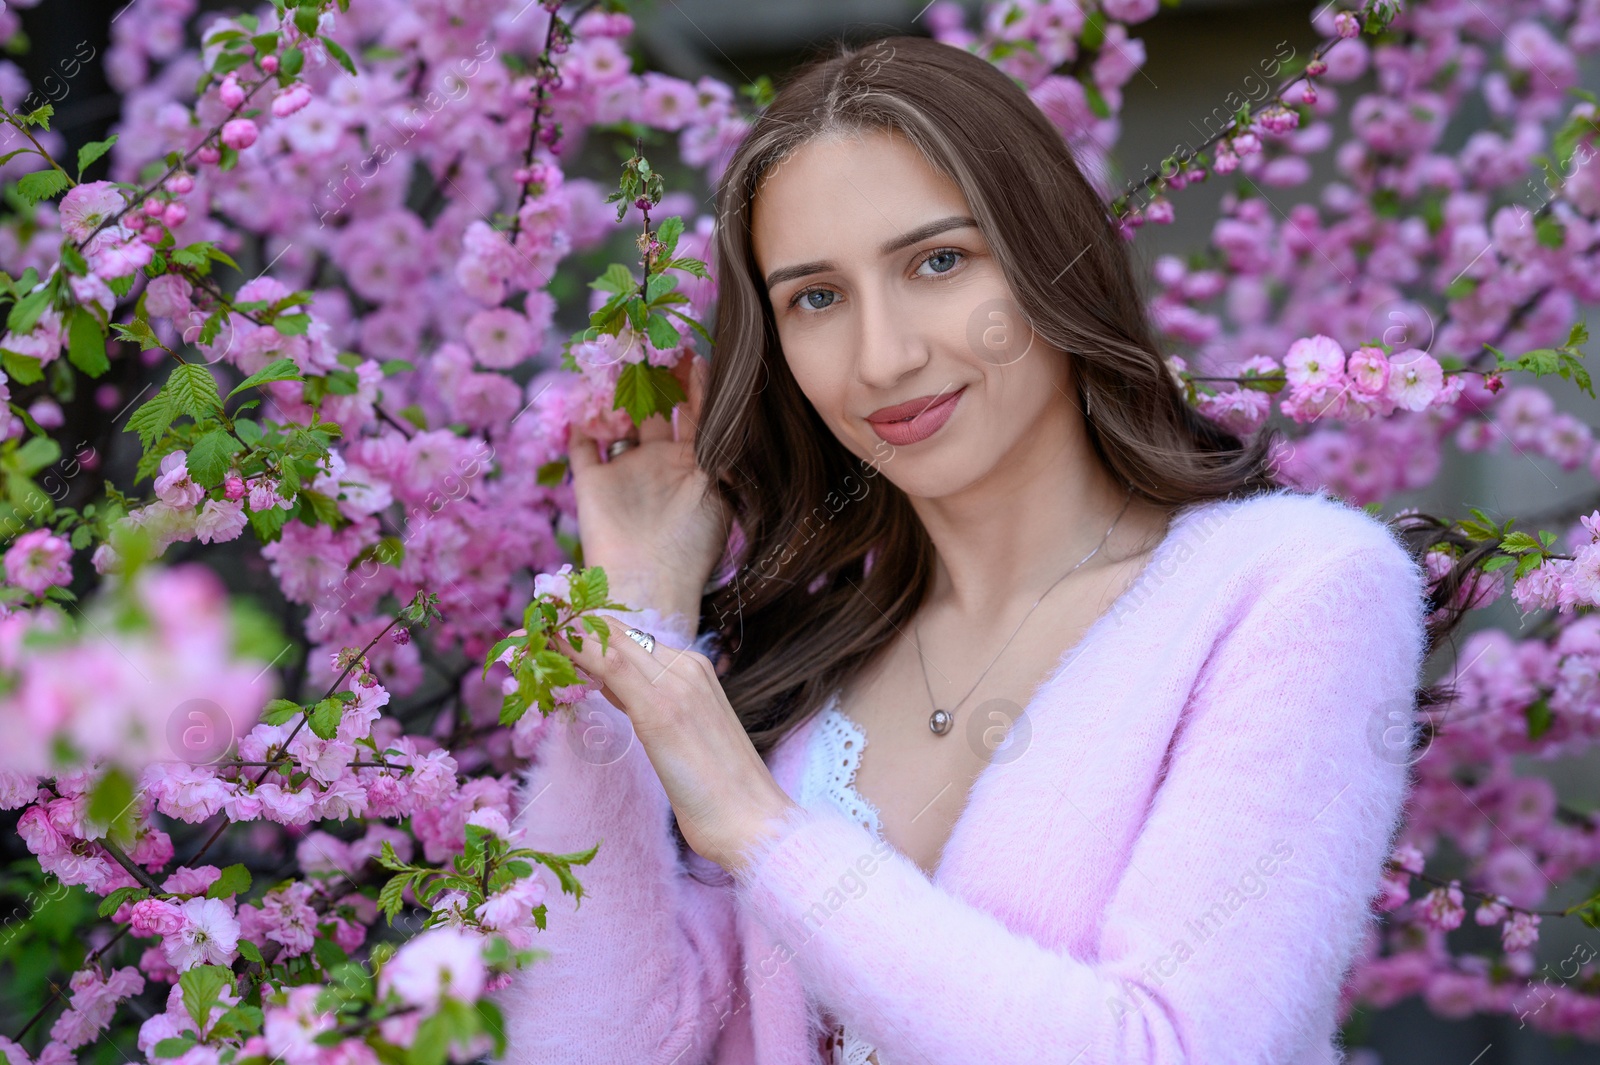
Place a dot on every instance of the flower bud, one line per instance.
(231, 93)
(239, 133)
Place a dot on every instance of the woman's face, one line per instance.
(889, 303)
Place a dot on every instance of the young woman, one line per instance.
(1043, 725)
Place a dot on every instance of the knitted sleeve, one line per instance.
(641, 968)
(1248, 888)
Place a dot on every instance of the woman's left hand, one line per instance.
(721, 790)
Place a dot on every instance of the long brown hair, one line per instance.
(831, 561)
(804, 609)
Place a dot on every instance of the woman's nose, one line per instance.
(889, 344)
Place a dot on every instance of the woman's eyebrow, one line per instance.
(904, 240)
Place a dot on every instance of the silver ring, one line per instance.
(643, 639)
(617, 447)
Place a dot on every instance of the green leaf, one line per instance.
(292, 324)
(138, 332)
(617, 278)
(659, 286)
(23, 369)
(324, 717)
(174, 1046)
(643, 390)
(278, 370)
(668, 233)
(637, 312)
(663, 337)
(280, 710)
(86, 346)
(113, 901)
(24, 314)
(35, 455)
(693, 266)
(340, 56)
(389, 900)
(194, 391)
(292, 61)
(491, 1020)
(42, 185)
(250, 952)
(209, 457)
(111, 798)
(432, 1043)
(1539, 717)
(235, 880)
(202, 987)
(152, 419)
(92, 151)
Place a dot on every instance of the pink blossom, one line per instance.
(285, 806)
(173, 486)
(156, 917)
(291, 1030)
(1368, 370)
(437, 963)
(231, 93)
(185, 880)
(239, 133)
(1415, 379)
(220, 520)
(210, 935)
(188, 792)
(94, 1001)
(1491, 911)
(1442, 907)
(87, 206)
(38, 560)
(168, 296)
(1520, 932)
(1313, 362)
(287, 918)
(291, 99)
(500, 338)
(1582, 576)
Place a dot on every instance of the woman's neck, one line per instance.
(1009, 536)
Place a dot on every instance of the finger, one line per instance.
(625, 667)
(581, 451)
(655, 427)
(687, 415)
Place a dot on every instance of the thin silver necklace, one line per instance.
(941, 720)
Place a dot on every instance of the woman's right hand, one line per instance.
(651, 518)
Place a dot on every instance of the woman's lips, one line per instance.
(921, 425)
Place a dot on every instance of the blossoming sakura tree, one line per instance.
(380, 406)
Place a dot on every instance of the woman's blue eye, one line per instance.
(951, 255)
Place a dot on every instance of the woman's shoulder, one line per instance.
(1299, 536)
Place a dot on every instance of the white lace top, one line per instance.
(832, 757)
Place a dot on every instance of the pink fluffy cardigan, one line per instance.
(1177, 868)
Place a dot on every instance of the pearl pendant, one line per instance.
(939, 721)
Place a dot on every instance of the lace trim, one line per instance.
(830, 776)
(846, 1049)
(831, 767)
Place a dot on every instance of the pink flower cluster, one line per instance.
(100, 695)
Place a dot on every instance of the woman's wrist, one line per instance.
(640, 590)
